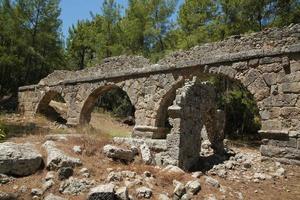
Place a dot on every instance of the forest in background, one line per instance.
(32, 45)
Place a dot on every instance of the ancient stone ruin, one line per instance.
(266, 63)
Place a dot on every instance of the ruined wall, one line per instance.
(266, 63)
(194, 107)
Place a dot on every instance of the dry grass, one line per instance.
(92, 141)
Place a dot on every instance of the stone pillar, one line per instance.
(28, 98)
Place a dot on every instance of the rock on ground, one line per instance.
(179, 190)
(19, 159)
(102, 192)
(77, 149)
(146, 153)
(8, 196)
(213, 182)
(163, 197)
(5, 179)
(144, 192)
(122, 193)
(74, 186)
(193, 187)
(65, 172)
(53, 197)
(173, 169)
(118, 153)
(57, 158)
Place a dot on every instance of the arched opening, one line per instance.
(163, 118)
(202, 113)
(109, 110)
(53, 107)
(242, 118)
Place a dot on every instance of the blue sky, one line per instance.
(74, 10)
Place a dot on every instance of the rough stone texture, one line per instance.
(65, 172)
(53, 197)
(118, 153)
(179, 190)
(144, 192)
(102, 192)
(8, 196)
(172, 169)
(193, 109)
(19, 159)
(74, 186)
(267, 63)
(213, 182)
(193, 187)
(154, 144)
(57, 159)
(122, 193)
(146, 154)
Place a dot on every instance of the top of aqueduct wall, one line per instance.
(267, 43)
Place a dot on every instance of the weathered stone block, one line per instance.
(268, 68)
(270, 78)
(290, 87)
(289, 78)
(241, 65)
(253, 62)
(19, 159)
(290, 112)
(292, 142)
(259, 89)
(280, 100)
(228, 71)
(250, 77)
(271, 125)
(270, 113)
(280, 152)
(295, 66)
(268, 60)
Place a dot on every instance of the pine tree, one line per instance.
(30, 41)
(195, 18)
(80, 45)
(286, 12)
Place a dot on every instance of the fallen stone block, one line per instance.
(19, 159)
(57, 159)
(53, 197)
(118, 153)
(102, 192)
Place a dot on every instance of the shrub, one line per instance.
(3, 131)
(242, 114)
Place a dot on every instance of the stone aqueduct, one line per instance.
(267, 63)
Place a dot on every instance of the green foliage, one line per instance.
(3, 132)
(117, 102)
(242, 114)
(30, 42)
(211, 20)
(142, 30)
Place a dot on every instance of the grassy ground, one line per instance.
(106, 123)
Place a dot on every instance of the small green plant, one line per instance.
(3, 132)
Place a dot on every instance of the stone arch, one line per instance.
(58, 112)
(189, 113)
(91, 99)
(162, 112)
